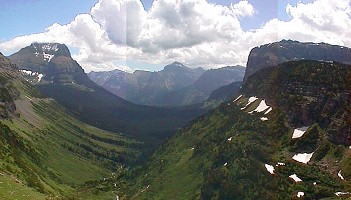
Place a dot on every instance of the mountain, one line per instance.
(215, 78)
(320, 94)
(46, 153)
(226, 92)
(63, 79)
(144, 87)
(286, 135)
(203, 86)
(287, 50)
(175, 85)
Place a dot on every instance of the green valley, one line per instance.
(175, 100)
(45, 152)
(246, 149)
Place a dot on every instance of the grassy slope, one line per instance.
(52, 152)
(10, 189)
(178, 171)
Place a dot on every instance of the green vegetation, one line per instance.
(223, 154)
(12, 189)
(200, 161)
(45, 153)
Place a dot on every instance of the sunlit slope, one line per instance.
(260, 145)
(44, 151)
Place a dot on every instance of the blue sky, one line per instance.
(103, 35)
(24, 17)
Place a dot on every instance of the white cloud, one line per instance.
(322, 20)
(194, 32)
(243, 8)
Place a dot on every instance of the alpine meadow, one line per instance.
(175, 99)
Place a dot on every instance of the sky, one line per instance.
(144, 34)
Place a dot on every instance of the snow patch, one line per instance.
(47, 56)
(40, 76)
(268, 111)
(264, 119)
(295, 178)
(340, 176)
(261, 107)
(28, 72)
(49, 47)
(238, 98)
(300, 194)
(303, 157)
(341, 193)
(251, 99)
(269, 168)
(298, 132)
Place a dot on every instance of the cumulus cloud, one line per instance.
(194, 32)
(323, 20)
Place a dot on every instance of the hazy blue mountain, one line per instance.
(226, 92)
(175, 85)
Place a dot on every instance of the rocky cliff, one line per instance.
(287, 50)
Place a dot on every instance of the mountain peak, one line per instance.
(40, 54)
(48, 50)
(49, 59)
(175, 65)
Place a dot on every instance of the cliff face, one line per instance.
(287, 50)
(308, 92)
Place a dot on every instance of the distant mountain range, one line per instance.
(175, 85)
(63, 79)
